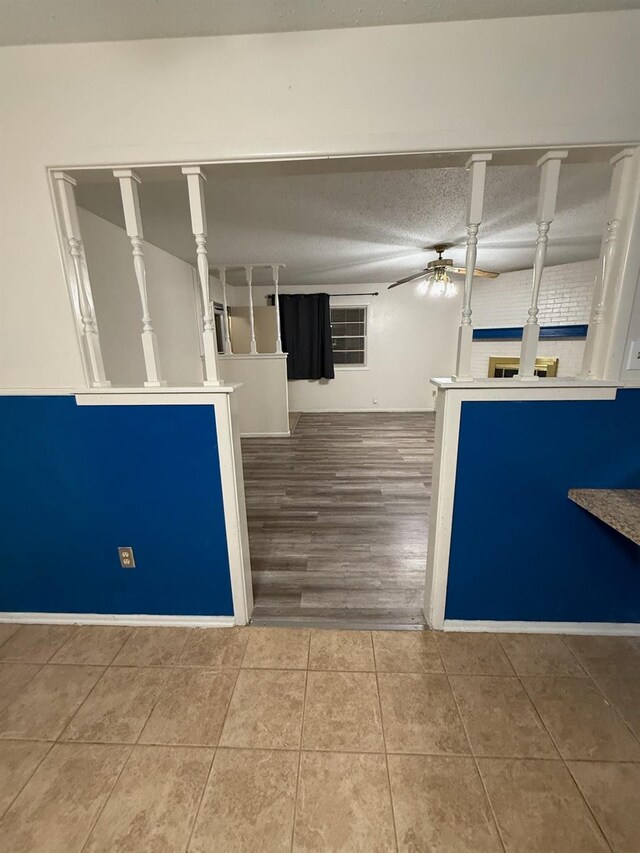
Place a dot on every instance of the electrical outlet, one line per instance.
(634, 356)
(127, 560)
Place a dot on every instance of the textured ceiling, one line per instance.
(51, 21)
(333, 223)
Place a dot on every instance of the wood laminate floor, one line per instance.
(338, 519)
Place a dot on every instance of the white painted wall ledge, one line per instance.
(248, 356)
(446, 383)
(227, 388)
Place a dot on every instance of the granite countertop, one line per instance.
(619, 508)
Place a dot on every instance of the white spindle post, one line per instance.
(549, 176)
(133, 223)
(477, 164)
(596, 343)
(248, 271)
(222, 273)
(195, 184)
(71, 225)
(275, 273)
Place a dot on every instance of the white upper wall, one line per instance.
(561, 80)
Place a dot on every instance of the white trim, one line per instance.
(351, 367)
(239, 356)
(502, 156)
(498, 384)
(154, 397)
(265, 434)
(445, 462)
(613, 629)
(235, 512)
(135, 620)
(121, 392)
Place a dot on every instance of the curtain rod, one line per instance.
(355, 294)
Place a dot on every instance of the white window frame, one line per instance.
(365, 365)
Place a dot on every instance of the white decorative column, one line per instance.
(549, 176)
(275, 273)
(222, 274)
(133, 223)
(248, 271)
(477, 165)
(604, 288)
(195, 184)
(82, 285)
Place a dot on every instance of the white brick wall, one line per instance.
(565, 299)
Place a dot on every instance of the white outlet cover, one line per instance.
(634, 356)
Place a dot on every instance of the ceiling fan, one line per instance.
(437, 275)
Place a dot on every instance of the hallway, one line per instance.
(338, 519)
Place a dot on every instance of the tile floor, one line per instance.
(162, 739)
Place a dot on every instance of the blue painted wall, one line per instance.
(514, 333)
(77, 482)
(521, 550)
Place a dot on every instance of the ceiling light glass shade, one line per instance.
(438, 284)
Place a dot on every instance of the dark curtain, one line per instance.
(305, 323)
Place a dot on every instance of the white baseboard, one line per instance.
(265, 434)
(120, 619)
(613, 629)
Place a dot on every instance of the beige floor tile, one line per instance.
(7, 629)
(341, 650)
(540, 654)
(624, 695)
(18, 761)
(613, 793)
(265, 710)
(118, 707)
(473, 654)
(581, 721)
(343, 804)
(419, 714)
(248, 803)
(406, 651)
(342, 712)
(153, 805)
(539, 808)
(215, 647)
(277, 648)
(57, 807)
(191, 708)
(36, 643)
(93, 644)
(607, 657)
(153, 647)
(14, 677)
(499, 717)
(45, 706)
(439, 805)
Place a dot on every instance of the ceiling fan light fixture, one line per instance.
(439, 285)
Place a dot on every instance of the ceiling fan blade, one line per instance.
(409, 278)
(476, 272)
